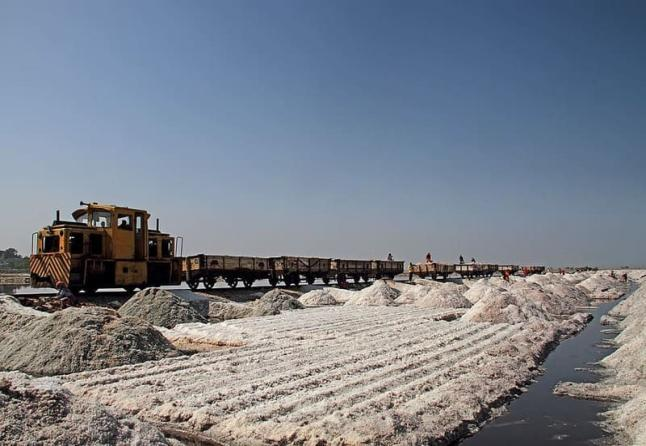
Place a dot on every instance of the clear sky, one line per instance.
(505, 130)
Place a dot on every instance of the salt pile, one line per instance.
(161, 308)
(219, 312)
(602, 286)
(278, 300)
(318, 297)
(194, 337)
(334, 375)
(40, 411)
(443, 295)
(627, 368)
(503, 306)
(480, 289)
(77, 339)
(14, 315)
(379, 293)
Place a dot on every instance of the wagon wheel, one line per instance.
(340, 278)
(193, 283)
(295, 279)
(310, 279)
(326, 280)
(248, 282)
(232, 282)
(273, 281)
(129, 289)
(209, 282)
(356, 278)
(366, 278)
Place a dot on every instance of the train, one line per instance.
(109, 246)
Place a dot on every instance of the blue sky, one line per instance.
(509, 131)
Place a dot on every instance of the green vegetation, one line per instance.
(12, 262)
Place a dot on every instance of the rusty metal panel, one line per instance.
(130, 272)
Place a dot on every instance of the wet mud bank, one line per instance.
(538, 416)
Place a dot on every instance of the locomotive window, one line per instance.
(101, 219)
(124, 222)
(76, 243)
(51, 243)
(152, 248)
(96, 244)
(82, 218)
(167, 247)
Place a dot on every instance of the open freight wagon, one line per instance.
(476, 269)
(292, 269)
(233, 269)
(430, 269)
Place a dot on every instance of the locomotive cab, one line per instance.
(104, 246)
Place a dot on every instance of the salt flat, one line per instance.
(333, 375)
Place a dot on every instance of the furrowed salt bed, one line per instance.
(341, 375)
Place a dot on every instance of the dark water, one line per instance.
(538, 416)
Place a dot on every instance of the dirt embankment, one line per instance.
(625, 382)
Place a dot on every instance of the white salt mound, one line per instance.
(13, 315)
(504, 306)
(602, 286)
(197, 336)
(444, 295)
(40, 411)
(379, 293)
(318, 297)
(481, 289)
(277, 300)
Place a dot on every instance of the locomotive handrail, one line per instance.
(177, 239)
(32, 242)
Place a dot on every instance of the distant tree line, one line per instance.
(12, 261)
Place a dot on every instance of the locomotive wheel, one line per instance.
(209, 282)
(248, 282)
(326, 280)
(310, 279)
(232, 282)
(193, 283)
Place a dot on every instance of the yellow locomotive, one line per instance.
(106, 246)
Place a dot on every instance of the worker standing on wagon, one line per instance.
(473, 260)
(65, 295)
(390, 257)
(461, 260)
(428, 257)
